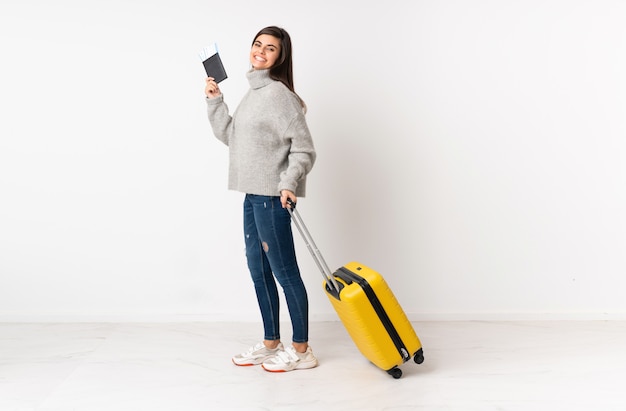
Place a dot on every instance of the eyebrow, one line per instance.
(269, 44)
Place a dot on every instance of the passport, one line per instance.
(213, 63)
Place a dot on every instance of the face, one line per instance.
(265, 51)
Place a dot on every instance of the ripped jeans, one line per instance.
(270, 253)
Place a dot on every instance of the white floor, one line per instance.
(186, 366)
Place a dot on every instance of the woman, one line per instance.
(271, 152)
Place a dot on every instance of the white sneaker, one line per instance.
(289, 360)
(256, 354)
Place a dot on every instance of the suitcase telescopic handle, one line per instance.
(310, 244)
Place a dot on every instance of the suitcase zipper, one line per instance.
(349, 277)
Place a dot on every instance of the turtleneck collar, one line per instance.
(259, 78)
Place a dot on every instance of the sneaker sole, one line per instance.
(301, 366)
(273, 370)
(244, 365)
(248, 364)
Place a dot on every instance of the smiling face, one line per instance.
(265, 52)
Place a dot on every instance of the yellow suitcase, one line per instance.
(374, 319)
(368, 309)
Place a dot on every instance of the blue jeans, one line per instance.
(271, 253)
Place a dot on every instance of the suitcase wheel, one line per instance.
(395, 372)
(419, 357)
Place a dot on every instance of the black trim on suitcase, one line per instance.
(332, 291)
(378, 307)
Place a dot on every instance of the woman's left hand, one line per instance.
(284, 195)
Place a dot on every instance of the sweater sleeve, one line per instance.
(301, 155)
(221, 121)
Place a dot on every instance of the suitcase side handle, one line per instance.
(312, 247)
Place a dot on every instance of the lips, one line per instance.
(259, 58)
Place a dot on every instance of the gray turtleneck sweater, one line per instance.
(270, 146)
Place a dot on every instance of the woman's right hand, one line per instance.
(211, 89)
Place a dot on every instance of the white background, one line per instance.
(471, 151)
